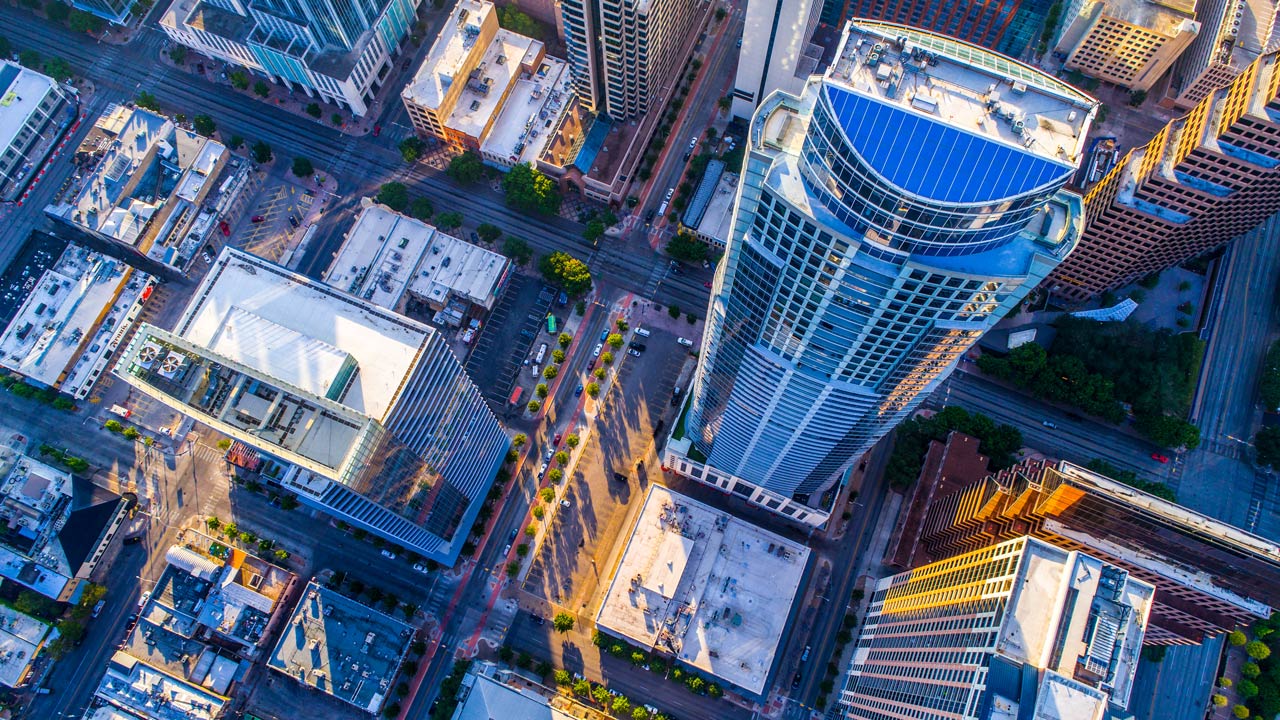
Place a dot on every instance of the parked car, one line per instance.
(638, 346)
(804, 657)
(97, 609)
(537, 619)
(563, 299)
(293, 221)
(421, 568)
(633, 352)
(257, 218)
(377, 130)
(132, 540)
(578, 390)
(707, 284)
(388, 554)
(595, 352)
(685, 342)
(1160, 458)
(604, 334)
(142, 601)
(1049, 424)
(564, 503)
(224, 227)
(557, 439)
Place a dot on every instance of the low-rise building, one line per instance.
(487, 89)
(712, 591)
(342, 648)
(21, 638)
(157, 189)
(396, 262)
(54, 526)
(35, 111)
(340, 53)
(136, 690)
(70, 324)
(717, 220)
(347, 392)
(1130, 43)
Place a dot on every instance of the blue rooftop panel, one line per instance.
(933, 160)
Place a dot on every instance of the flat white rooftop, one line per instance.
(966, 86)
(21, 92)
(133, 684)
(284, 320)
(714, 590)
(526, 122)
(499, 67)
(717, 221)
(20, 638)
(453, 45)
(387, 254)
(63, 312)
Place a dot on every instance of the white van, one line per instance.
(642, 332)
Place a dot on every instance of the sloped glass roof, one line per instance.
(934, 160)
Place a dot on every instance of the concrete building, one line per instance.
(626, 55)
(1021, 629)
(1233, 34)
(717, 220)
(22, 637)
(1204, 179)
(380, 423)
(1130, 43)
(54, 526)
(885, 219)
(342, 648)
(399, 263)
(157, 190)
(337, 51)
(136, 690)
(35, 111)
(1210, 577)
(77, 313)
(710, 590)
(777, 52)
(1010, 27)
(117, 12)
(486, 89)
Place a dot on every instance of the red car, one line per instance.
(556, 442)
(706, 285)
(224, 227)
(257, 218)
(377, 130)
(1160, 458)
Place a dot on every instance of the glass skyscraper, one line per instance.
(886, 218)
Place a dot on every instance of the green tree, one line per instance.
(204, 125)
(29, 58)
(571, 440)
(489, 233)
(517, 249)
(394, 195)
(547, 494)
(593, 389)
(313, 109)
(261, 152)
(6, 48)
(997, 442)
(562, 457)
(1219, 700)
(567, 272)
(550, 372)
(1250, 670)
(336, 119)
(1267, 445)
(261, 89)
(147, 101)
(529, 190)
(57, 68)
(563, 622)
(1169, 431)
(239, 79)
(620, 706)
(1240, 711)
(467, 168)
(57, 11)
(1246, 689)
(81, 21)
(562, 677)
(593, 231)
(639, 713)
(449, 220)
(519, 440)
(555, 475)
(236, 142)
(557, 355)
(582, 688)
(674, 312)
(606, 358)
(1237, 638)
(510, 18)
(302, 167)
(421, 208)
(533, 406)
(411, 148)
(687, 248)
(538, 511)
(1258, 650)
(614, 340)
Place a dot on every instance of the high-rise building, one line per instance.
(1204, 179)
(33, 116)
(1011, 27)
(117, 12)
(375, 417)
(886, 218)
(339, 51)
(626, 55)
(1130, 43)
(1017, 630)
(776, 51)
(1210, 577)
(1232, 35)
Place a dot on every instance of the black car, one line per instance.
(620, 477)
(638, 346)
(293, 221)
(795, 682)
(132, 540)
(537, 619)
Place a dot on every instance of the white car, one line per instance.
(388, 555)
(142, 601)
(595, 352)
(564, 503)
(685, 342)
(542, 470)
(421, 568)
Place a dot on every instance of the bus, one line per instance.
(551, 323)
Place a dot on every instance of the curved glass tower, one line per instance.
(886, 218)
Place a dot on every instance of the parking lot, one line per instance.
(575, 554)
(268, 238)
(506, 338)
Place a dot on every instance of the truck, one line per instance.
(121, 410)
